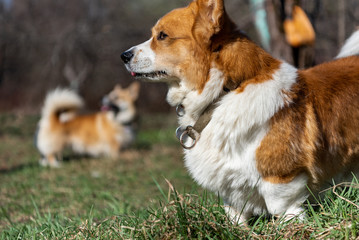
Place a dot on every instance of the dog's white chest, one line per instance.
(223, 160)
(218, 154)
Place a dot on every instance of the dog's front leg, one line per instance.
(195, 101)
(176, 94)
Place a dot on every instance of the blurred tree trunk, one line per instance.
(341, 22)
(3, 8)
(279, 46)
(2, 61)
(278, 11)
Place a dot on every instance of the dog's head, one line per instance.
(121, 101)
(183, 46)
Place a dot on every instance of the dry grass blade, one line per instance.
(170, 189)
(345, 184)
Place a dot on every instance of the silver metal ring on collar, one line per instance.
(184, 135)
(189, 132)
(180, 110)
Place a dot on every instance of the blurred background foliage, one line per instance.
(45, 44)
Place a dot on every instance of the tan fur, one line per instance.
(311, 131)
(301, 134)
(101, 133)
(318, 133)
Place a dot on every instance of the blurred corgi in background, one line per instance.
(101, 133)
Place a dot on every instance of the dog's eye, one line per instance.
(162, 36)
(114, 97)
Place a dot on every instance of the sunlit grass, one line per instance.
(192, 216)
(146, 194)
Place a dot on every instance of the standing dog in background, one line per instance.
(102, 133)
(255, 129)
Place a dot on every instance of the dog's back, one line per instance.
(318, 130)
(336, 103)
(94, 134)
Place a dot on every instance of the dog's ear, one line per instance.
(210, 19)
(212, 11)
(118, 87)
(134, 90)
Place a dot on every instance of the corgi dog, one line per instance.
(255, 129)
(101, 133)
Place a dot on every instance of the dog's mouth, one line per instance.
(151, 75)
(107, 105)
(105, 108)
(110, 107)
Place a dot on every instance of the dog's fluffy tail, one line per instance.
(62, 104)
(350, 47)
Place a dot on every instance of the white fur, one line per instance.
(351, 46)
(176, 93)
(224, 159)
(67, 116)
(126, 114)
(61, 98)
(55, 100)
(143, 61)
(195, 103)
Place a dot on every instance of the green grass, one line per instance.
(134, 197)
(106, 187)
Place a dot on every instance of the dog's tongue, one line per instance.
(105, 108)
(133, 74)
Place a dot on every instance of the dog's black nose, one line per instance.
(126, 56)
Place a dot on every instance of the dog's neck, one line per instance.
(248, 67)
(125, 117)
(193, 101)
(194, 131)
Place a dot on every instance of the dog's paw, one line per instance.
(55, 164)
(176, 94)
(294, 213)
(194, 104)
(235, 216)
(43, 162)
(52, 164)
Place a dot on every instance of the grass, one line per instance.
(106, 186)
(134, 197)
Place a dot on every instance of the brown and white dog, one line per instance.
(102, 133)
(273, 129)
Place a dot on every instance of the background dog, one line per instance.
(102, 133)
(255, 129)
